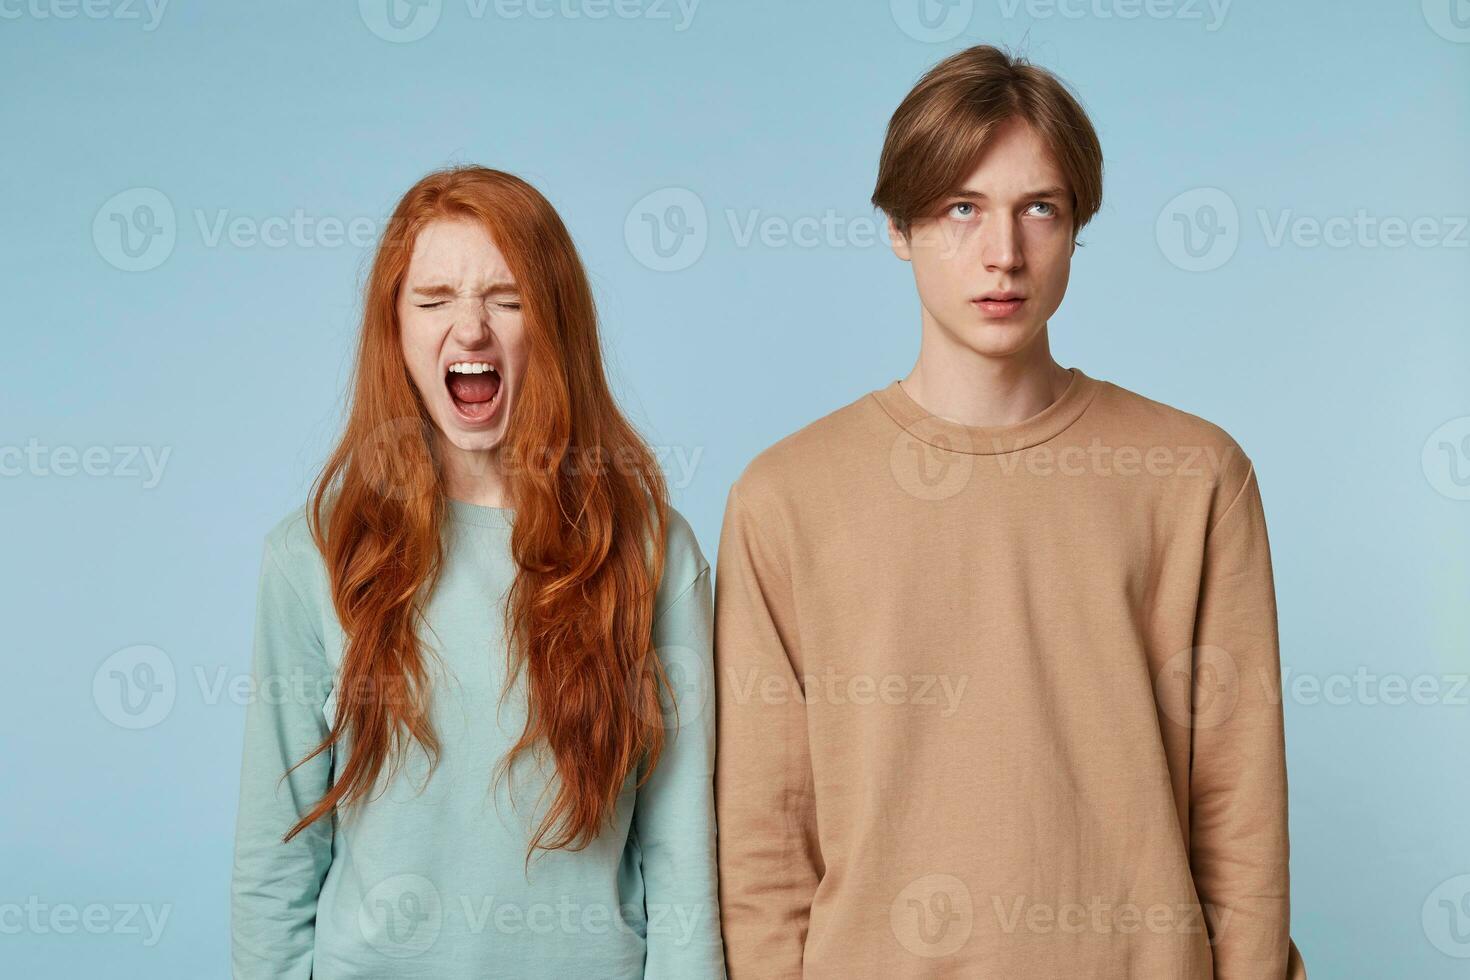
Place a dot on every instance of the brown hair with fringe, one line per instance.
(941, 128)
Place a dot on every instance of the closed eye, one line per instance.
(507, 305)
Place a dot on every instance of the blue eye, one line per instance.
(1045, 204)
(963, 210)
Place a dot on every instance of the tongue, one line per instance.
(473, 387)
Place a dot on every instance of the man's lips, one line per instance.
(999, 304)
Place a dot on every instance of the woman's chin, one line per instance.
(471, 436)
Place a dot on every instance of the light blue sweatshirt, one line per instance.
(429, 880)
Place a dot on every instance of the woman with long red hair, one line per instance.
(482, 741)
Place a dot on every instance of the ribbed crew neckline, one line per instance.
(479, 515)
(988, 440)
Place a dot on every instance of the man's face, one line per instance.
(992, 265)
(463, 336)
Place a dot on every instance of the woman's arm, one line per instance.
(675, 815)
(275, 885)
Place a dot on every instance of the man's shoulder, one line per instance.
(810, 454)
(1150, 425)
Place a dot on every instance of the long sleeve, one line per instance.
(275, 885)
(1239, 847)
(770, 860)
(675, 813)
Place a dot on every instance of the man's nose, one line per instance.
(1000, 248)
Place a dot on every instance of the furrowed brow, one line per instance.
(435, 290)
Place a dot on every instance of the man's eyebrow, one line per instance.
(1052, 192)
(437, 290)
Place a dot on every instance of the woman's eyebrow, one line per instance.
(436, 290)
(433, 290)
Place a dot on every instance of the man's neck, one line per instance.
(956, 383)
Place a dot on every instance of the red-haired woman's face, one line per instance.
(464, 340)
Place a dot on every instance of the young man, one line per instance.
(996, 651)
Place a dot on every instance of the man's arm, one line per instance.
(770, 859)
(1238, 802)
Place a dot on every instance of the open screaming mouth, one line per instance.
(474, 388)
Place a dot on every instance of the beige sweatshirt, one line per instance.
(1001, 702)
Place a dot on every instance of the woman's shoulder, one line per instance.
(291, 552)
(684, 561)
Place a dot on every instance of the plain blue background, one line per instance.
(1339, 360)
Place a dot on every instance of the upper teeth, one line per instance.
(470, 367)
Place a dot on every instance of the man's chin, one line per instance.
(997, 338)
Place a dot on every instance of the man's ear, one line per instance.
(899, 242)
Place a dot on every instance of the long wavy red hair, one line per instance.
(591, 509)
